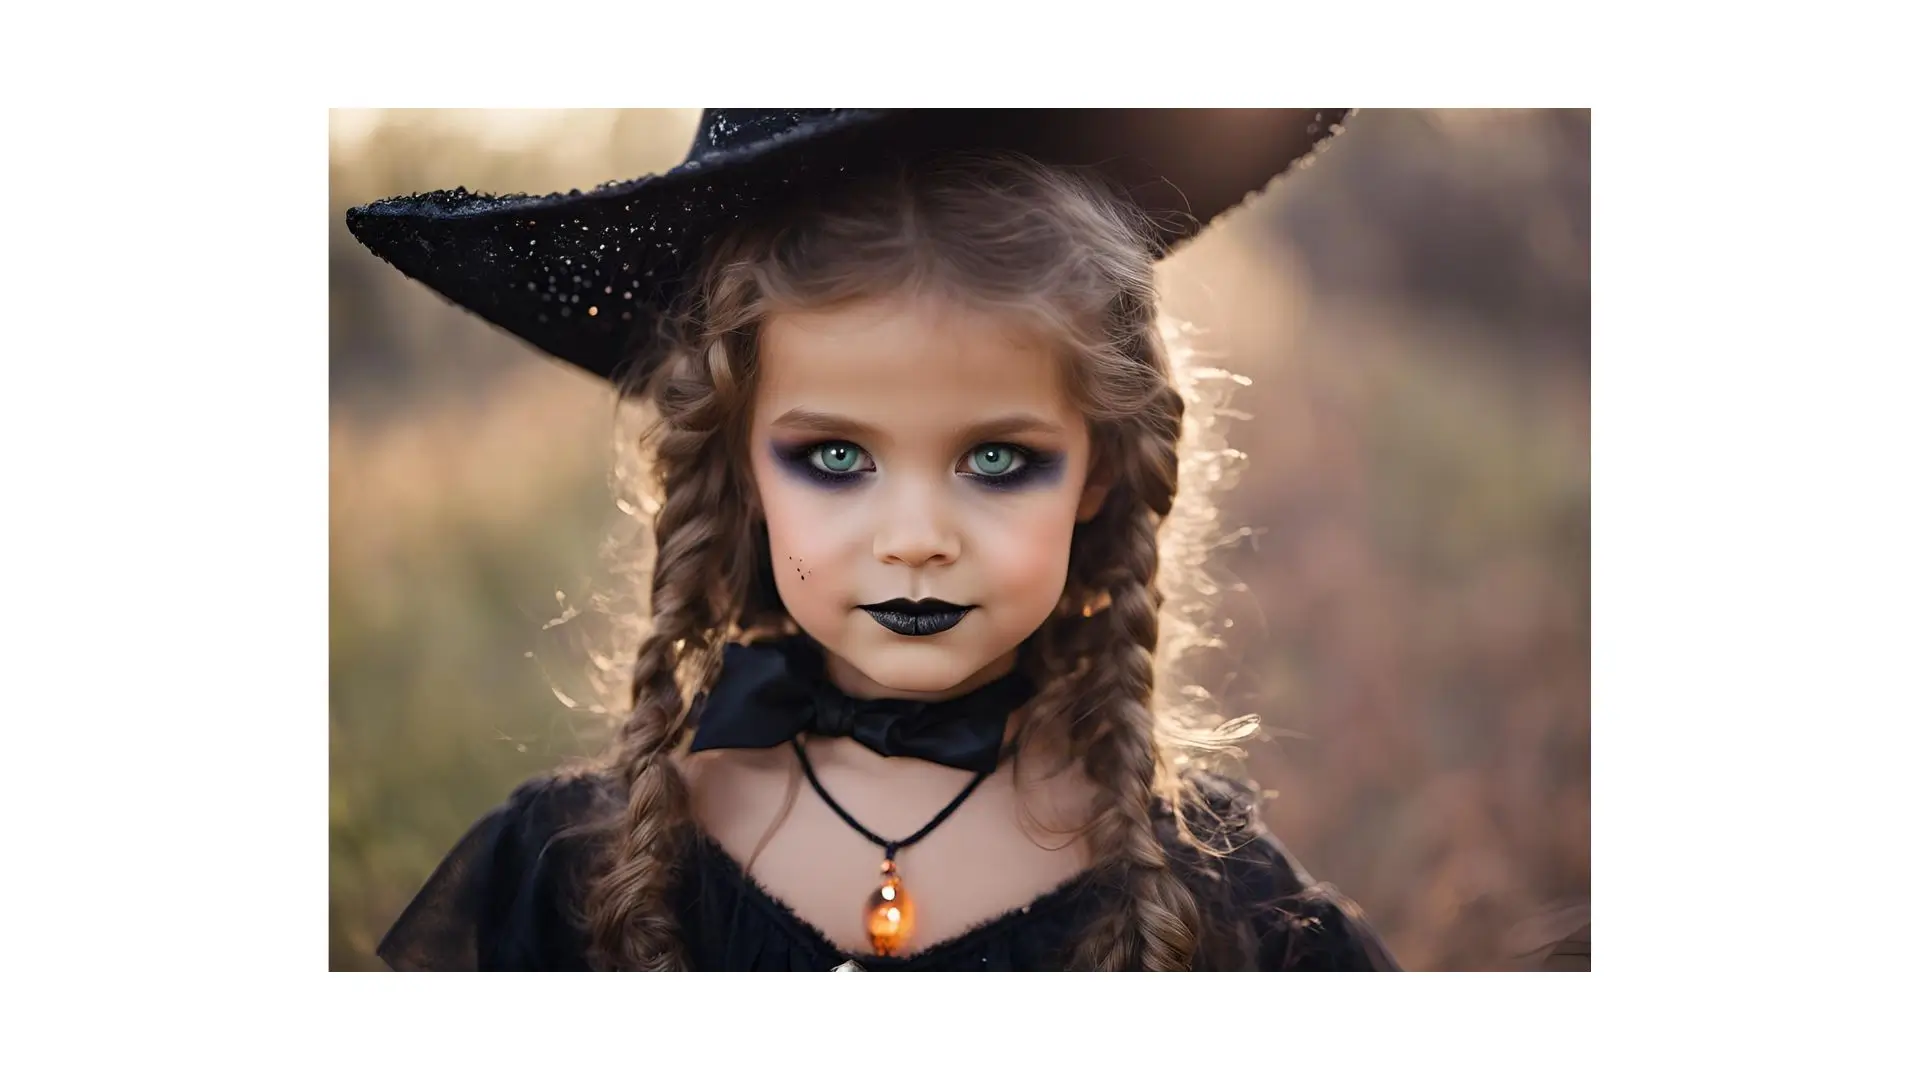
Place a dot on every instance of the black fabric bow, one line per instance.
(768, 693)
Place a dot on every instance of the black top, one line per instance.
(505, 897)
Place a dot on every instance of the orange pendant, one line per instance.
(889, 913)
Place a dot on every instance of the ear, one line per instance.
(1093, 494)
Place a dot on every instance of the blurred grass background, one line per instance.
(1411, 616)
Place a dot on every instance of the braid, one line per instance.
(697, 571)
(1153, 925)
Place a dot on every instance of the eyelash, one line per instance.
(1032, 464)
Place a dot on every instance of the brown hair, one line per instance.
(1004, 235)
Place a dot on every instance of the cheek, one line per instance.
(805, 538)
(1029, 558)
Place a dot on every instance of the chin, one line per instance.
(917, 668)
(930, 665)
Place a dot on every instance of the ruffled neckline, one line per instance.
(986, 937)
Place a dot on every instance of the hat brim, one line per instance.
(582, 275)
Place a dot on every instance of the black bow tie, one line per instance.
(768, 693)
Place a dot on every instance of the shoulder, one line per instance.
(1262, 908)
(502, 898)
(554, 802)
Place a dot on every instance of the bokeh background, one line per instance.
(1408, 600)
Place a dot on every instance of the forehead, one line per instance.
(907, 363)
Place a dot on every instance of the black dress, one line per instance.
(504, 900)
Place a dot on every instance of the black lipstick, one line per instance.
(916, 618)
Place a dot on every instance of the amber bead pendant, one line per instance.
(889, 913)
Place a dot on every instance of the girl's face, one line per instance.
(907, 450)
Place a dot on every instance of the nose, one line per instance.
(916, 529)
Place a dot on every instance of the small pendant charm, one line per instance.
(849, 966)
(889, 913)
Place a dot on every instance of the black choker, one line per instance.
(769, 693)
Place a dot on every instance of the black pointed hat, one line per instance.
(583, 275)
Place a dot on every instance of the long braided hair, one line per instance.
(1008, 236)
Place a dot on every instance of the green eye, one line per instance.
(836, 457)
(994, 460)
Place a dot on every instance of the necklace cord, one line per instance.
(891, 846)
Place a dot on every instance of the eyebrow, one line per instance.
(803, 419)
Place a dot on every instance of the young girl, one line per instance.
(915, 434)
